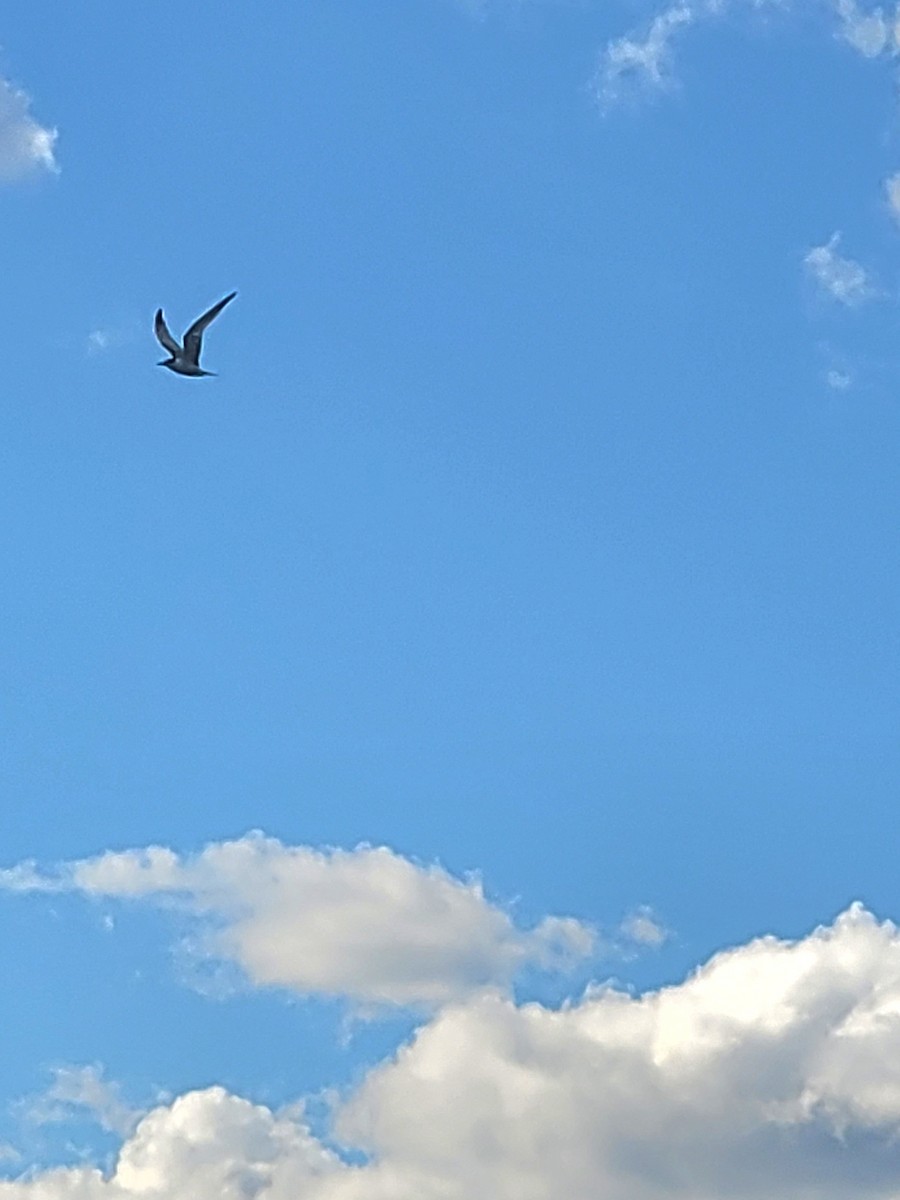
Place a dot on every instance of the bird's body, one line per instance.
(185, 360)
(180, 367)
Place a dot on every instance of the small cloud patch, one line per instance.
(838, 381)
(26, 146)
(841, 279)
(643, 928)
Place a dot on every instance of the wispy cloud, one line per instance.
(76, 1090)
(871, 33)
(838, 381)
(98, 340)
(842, 279)
(26, 146)
(25, 877)
(892, 194)
(643, 928)
(107, 337)
(642, 62)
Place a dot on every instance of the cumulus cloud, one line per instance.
(841, 278)
(26, 146)
(772, 1073)
(206, 1145)
(365, 923)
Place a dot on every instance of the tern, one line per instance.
(185, 360)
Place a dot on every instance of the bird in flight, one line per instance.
(185, 360)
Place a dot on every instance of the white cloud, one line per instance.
(772, 1073)
(365, 923)
(642, 927)
(206, 1145)
(642, 61)
(892, 192)
(25, 145)
(841, 278)
(25, 877)
(868, 32)
(838, 381)
(79, 1089)
(105, 338)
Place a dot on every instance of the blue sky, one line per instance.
(527, 578)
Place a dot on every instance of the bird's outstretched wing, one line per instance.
(194, 335)
(165, 338)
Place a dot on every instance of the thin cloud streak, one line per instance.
(26, 146)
